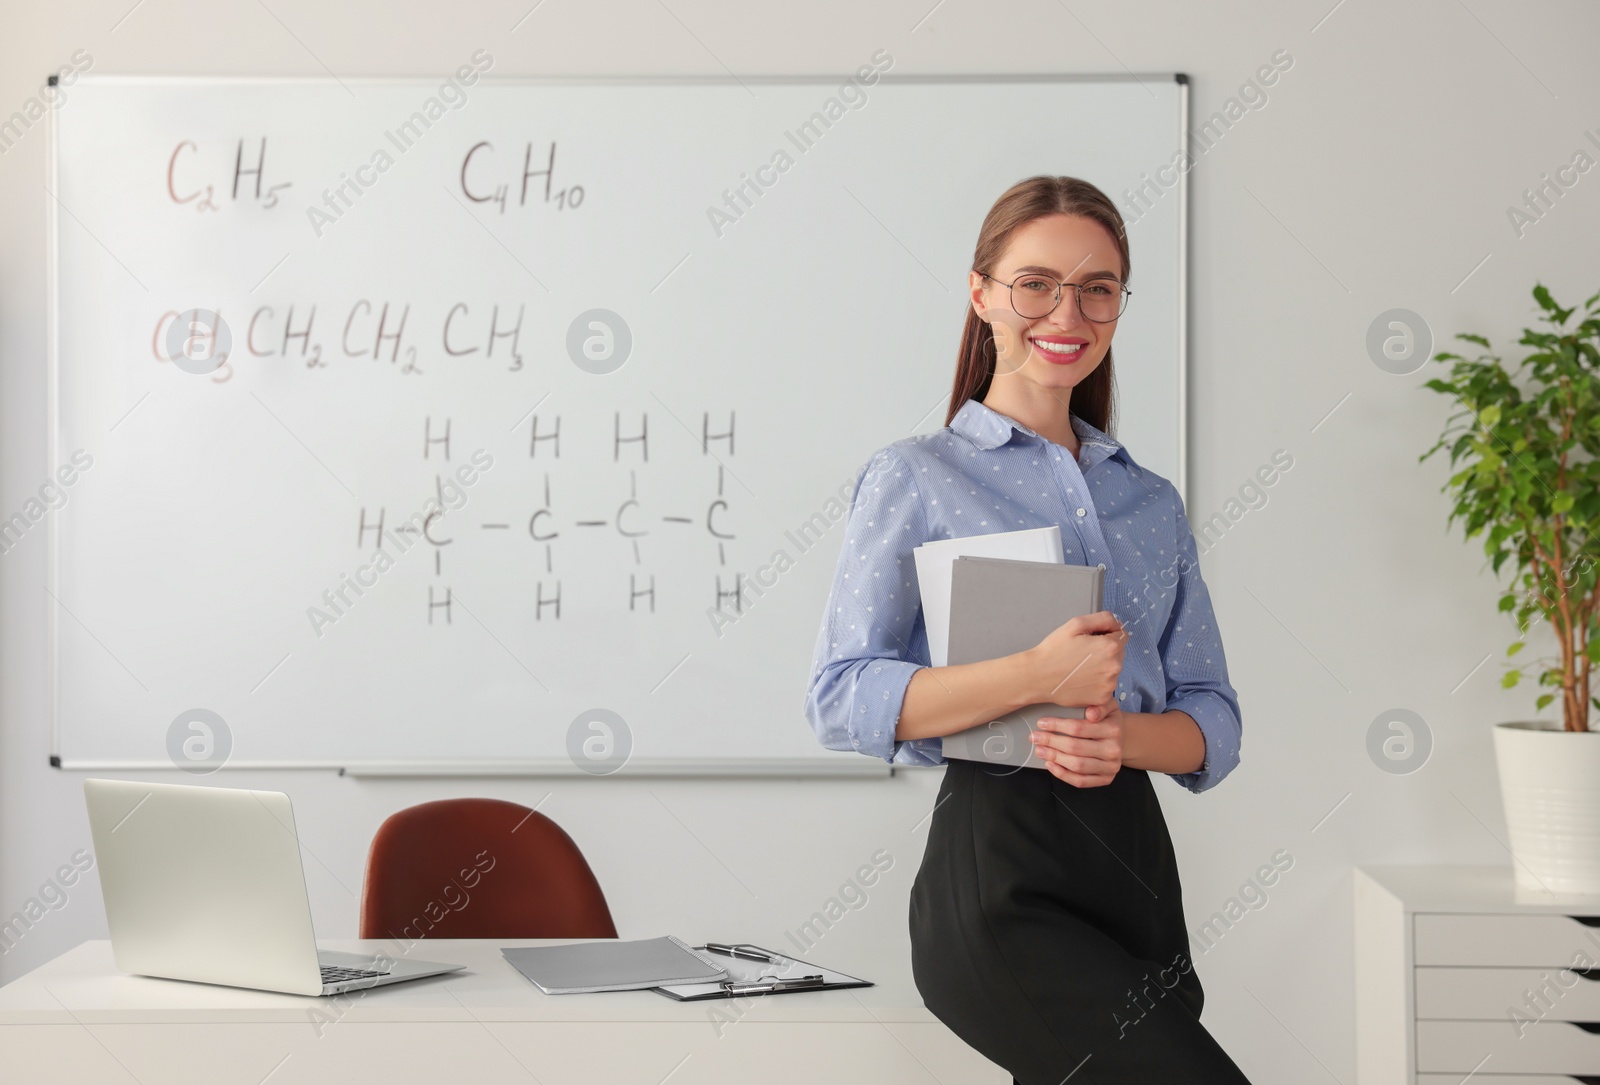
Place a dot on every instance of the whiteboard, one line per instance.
(589, 405)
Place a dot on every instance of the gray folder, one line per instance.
(580, 967)
(999, 606)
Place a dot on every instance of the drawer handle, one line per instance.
(1587, 920)
(1586, 1079)
(1586, 973)
(1587, 1026)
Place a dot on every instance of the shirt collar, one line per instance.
(988, 428)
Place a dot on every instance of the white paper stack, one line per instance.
(934, 561)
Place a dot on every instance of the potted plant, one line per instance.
(1526, 449)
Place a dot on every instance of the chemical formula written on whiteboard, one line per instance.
(191, 187)
(483, 190)
(558, 528)
(366, 330)
(195, 174)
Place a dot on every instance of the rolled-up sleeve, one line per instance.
(872, 637)
(1195, 668)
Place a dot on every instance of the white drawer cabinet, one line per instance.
(1458, 973)
(1473, 1047)
(1489, 994)
(1505, 940)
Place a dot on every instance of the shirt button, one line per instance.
(1122, 696)
(1102, 565)
(1081, 513)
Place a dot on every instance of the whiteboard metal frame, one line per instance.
(1182, 481)
(637, 80)
(851, 765)
(52, 309)
(848, 766)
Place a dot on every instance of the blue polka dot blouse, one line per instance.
(984, 473)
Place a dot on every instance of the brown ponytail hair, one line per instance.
(1093, 400)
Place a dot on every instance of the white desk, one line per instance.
(77, 1019)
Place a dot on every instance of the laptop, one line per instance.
(206, 884)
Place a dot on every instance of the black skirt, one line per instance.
(1047, 931)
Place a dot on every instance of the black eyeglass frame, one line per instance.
(1077, 295)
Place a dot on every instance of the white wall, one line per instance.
(1378, 176)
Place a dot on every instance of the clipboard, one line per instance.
(772, 974)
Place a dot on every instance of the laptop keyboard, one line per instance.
(332, 973)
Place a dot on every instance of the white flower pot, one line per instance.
(1550, 783)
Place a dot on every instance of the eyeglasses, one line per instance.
(1034, 296)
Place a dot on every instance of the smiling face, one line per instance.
(1060, 349)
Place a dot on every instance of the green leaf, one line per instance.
(1516, 646)
(1490, 416)
(1511, 678)
(1562, 502)
(1542, 701)
(1557, 315)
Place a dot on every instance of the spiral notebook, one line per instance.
(999, 606)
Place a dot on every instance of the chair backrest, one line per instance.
(479, 868)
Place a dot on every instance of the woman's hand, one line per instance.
(1083, 753)
(1080, 662)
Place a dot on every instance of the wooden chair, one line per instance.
(479, 868)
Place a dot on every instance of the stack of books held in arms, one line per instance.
(987, 596)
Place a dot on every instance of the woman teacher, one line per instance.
(1047, 924)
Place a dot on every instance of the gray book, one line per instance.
(581, 967)
(999, 606)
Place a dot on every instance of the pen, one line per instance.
(748, 953)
